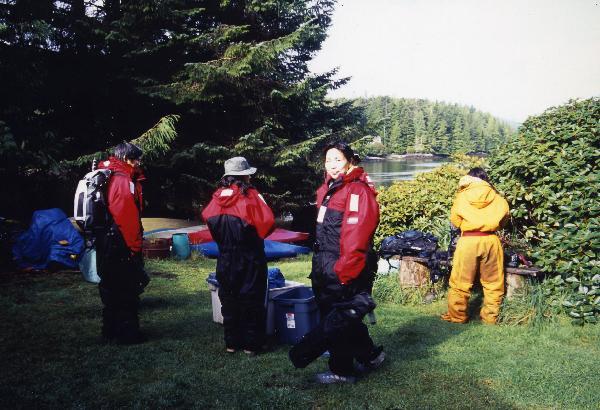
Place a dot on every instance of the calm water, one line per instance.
(385, 172)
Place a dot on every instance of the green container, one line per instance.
(181, 246)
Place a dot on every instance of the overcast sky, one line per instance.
(512, 58)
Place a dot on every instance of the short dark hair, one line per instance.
(345, 149)
(479, 173)
(127, 150)
(229, 180)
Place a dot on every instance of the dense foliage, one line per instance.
(550, 173)
(421, 126)
(78, 77)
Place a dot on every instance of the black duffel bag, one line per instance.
(409, 243)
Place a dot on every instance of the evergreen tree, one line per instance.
(441, 140)
(79, 77)
(420, 132)
(432, 127)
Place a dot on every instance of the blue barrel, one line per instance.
(296, 313)
(181, 246)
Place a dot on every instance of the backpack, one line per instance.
(409, 243)
(90, 206)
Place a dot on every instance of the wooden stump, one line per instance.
(413, 272)
(516, 279)
(514, 282)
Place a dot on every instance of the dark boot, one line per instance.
(128, 328)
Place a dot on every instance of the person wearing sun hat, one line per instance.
(239, 220)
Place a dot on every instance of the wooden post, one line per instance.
(413, 272)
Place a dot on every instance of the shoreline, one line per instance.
(396, 157)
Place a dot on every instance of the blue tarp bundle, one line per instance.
(273, 250)
(40, 245)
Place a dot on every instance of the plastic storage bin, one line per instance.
(213, 286)
(296, 313)
(270, 325)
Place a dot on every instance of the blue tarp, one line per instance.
(273, 250)
(40, 245)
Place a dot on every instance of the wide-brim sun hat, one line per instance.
(238, 166)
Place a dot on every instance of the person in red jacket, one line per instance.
(344, 262)
(119, 248)
(239, 219)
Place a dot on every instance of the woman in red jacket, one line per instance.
(239, 219)
(344, 262)
(119, 248)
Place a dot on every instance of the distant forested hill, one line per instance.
(422, 126)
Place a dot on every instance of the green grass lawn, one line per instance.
(52, 357)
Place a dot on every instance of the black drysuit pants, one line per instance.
(350, 341)
(242, 277)
(122, 280)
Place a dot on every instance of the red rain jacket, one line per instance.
(251, 209)
(346, 222)
(125, 200)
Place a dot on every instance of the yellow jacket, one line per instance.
(477, 206)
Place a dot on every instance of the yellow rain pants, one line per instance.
(475, 254)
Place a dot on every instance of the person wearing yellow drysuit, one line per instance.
(478, 211)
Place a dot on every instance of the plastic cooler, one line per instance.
(296, 313)
(213, 286)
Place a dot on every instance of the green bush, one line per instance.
(550, 175)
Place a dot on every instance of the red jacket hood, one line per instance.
(227, 197)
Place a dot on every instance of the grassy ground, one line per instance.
(51, 356)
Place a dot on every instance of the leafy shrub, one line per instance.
(550, 175)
